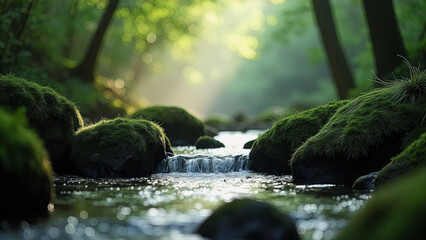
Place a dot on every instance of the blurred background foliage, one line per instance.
(209, 56)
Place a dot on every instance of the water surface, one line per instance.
(170, 205)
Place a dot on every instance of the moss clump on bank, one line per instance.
(118, 148)
(393, 213)
(363, 135)
(272, 150)
(54, 117)
(248, 219)
(410, 160)
(208, 142)
(182, 128)
(25, 172)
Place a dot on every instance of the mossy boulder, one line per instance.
(248, 219)
(25, 172)
(410, 160)
(393, 213)
(363, 135)
(272, 150)
(118, 148)
(208, 142)
(181, 127)
(52, 116)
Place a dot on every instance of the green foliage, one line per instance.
(362, 136)
(118, 148)
(272, 150)
(208, 142)
(181, 127)
(407, 162)
(25, 172)
(395, 212)
(248, 219)
(54, 117)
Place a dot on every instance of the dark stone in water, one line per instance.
(248, 219)
(365, 183)
(208, 142)
(249, 144)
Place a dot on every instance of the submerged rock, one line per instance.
(410, 160)
(119, 148)
(248, 219)
(362, 136)
(54, 117)
(25, 172)
(393, 213)
(208, 142)
(182, 128)
(272, 150)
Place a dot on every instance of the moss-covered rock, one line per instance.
(25, 172)
(272, 150)
(248, 219)
(410, 160)
(54, 117)
(208, 142)
(363, 135)
(393, 213)
(118, 148)
(182, 128)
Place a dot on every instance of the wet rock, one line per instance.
(248, 219)
(25, 172)
(52, 116)
(272, 150)
(181, 127)
(249, 144)
(365, 183)
(394, 212)
(410, 160)
(362, 136)
(119, 148)
(208, 142)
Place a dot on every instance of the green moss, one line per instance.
(248, 219)
(118, 148)
(208, 142)
(25, 172)
(54, 117)
(361, 137)
(181, 127)
(272, 150)
(410, 160)
(395, 212)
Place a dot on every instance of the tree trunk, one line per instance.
(86, 69)
(71, 28)
(338, 65)
(385, 36)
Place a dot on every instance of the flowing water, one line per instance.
(172, 203)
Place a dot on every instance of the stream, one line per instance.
(187, 188)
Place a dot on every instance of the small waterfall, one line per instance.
(203, 164)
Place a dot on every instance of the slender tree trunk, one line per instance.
(338, 65)
(86, 69)
(71, 28)
(385, 35)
